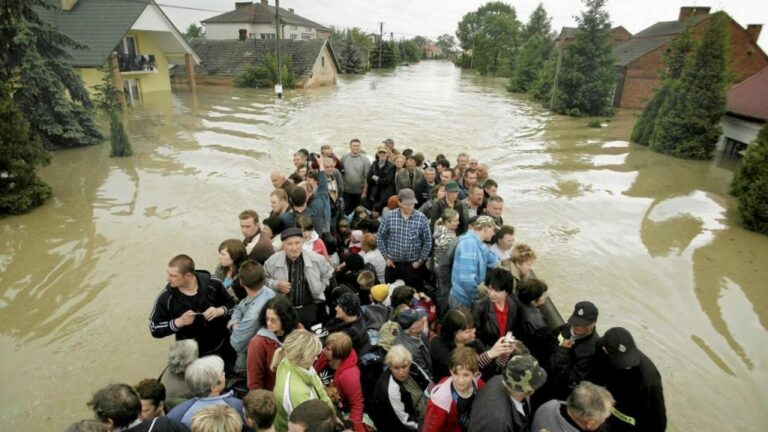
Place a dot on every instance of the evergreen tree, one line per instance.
(750, 185)
(538, 24)
(21, 153)
(688, 122)
(389, 56)
(349, 58)
(108, 100)
(675, 58)
(52, 98)
(530, 62)
(588, 76)
(541, 88)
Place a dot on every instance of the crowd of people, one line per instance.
(387, 294)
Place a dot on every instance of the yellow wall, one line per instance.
(148, 82)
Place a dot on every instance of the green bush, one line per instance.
(121, 146)
(253, 76)
(750, 185)
(596, 123)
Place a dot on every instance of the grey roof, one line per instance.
(114, 18)
(651, 38)
(229, 57)
(568, 33)
(635, 48)
(258, 13)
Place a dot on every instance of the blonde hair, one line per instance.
(217, 418)
(398, 355)
(522, 253)
(300, 347)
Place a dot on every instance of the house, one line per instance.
(432, 51)
(257, 21)
(640, 61)
(746, 113)
(618, 35)
(314, 62)
(135, 36)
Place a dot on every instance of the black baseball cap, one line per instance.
(621, 348)
(584, 314)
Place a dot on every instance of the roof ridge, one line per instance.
(753, 76)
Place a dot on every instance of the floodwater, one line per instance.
(653, 241)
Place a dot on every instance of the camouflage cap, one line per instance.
(523, 374)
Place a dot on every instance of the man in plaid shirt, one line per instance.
(405, 241)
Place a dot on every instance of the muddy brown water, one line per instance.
(653, 241)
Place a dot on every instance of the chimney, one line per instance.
(68, 5)
(240, 5)
(692, 11)
(754, 31)
(265, 2)
(290, 10)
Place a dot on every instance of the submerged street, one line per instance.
(653, 241)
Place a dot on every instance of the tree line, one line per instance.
(496, 43)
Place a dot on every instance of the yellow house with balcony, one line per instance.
(135, 36)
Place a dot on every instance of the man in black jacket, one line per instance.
(634, 382)
(573, 359)
(194, 305)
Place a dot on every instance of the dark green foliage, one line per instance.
(675, 59)
(588, 76)
(265, 75)
(750, 185)
(21, 153)
(530, 62)
(121, 146)
(410, 51)
(390, 56)
(538, 24)
(447, 45)
(492, 33)
(541, 88)
(688, 122)
(107, 99)
(595, 123)
(52, 98)
(349, 59)
(194, 31)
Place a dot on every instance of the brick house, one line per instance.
(640, 60)
(746, 113)
(257, 21)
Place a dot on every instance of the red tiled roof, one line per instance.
(750, 97)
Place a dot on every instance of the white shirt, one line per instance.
(502, 254)
(377, 259)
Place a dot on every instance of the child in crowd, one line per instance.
(450, 403)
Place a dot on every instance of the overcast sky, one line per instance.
(431, 18)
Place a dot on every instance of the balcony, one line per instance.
(136, 64)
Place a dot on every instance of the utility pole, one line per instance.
(381, 40)
(557, 72)
(278, 67)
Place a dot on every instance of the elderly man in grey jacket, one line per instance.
(301, 275)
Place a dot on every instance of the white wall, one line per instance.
(231, 31)
(739, 130)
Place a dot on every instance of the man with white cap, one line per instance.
(503, 405)
(634, 382)
(405, 241)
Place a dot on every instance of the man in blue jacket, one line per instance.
(471, 261)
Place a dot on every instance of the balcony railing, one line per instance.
(136, 63)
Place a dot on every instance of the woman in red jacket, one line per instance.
(337, 367)
(277, 319)
(450, 403)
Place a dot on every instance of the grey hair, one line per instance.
(203, 374)
(430, 169)
(590, 401)
(181, 355)
(398, 355)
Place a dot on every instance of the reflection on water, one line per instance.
(652, 240)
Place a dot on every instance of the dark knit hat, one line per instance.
(349, 303)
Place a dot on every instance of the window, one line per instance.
(305, 36)
(322, 61)
(132, 93)
(127, 46)
(733, 148)
(267, 35)
(294, 36)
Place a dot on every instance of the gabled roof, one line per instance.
(750, 97)
(258, 13)
(651, 38)
(571, 32)
(229, 57)
(100, 25)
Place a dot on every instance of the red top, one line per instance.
(347, 380)
(501, 318)
(261, 349)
